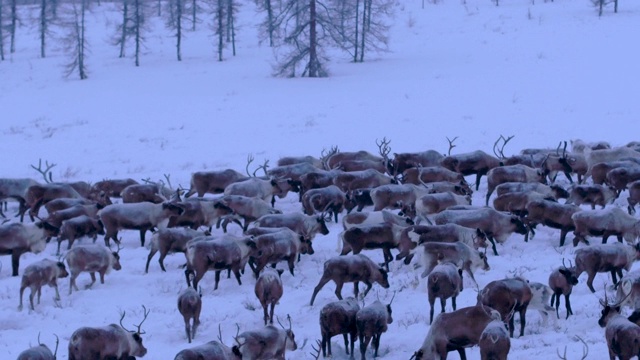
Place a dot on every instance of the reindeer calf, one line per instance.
(269, 290)
(190, 305)
(372, 321)
(339, 317)
(38, 274)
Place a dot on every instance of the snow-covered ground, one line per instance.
(543, 71)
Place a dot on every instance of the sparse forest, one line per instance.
(301, 32)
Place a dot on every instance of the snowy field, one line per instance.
(543, 71)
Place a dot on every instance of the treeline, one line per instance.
(300, 31)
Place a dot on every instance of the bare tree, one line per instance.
(268, 28)
(218, 26)
(133, 26)
(45, 18)
(176, 20)
(13, 23)
(306, 32)
(3, 35)
(75, 41)
(231, 12)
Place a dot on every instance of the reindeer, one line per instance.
(425, 175)
(248, 208)
(351, 268)
(553, 215)
(494, 342)
(265, 189)
(16, 189)
(371, 321)
(108, 342)
(189, 306)
(455, 331)
(430, 204)
(634, 196)
(112, 187)
(606, 222)
(383, 148)
(139, 216)
(40, 352)
(473, 163)
(599, 171)
(458, 253)
(444, 281)
(617, 179)
(212, 350)
(592, 195)
(395, 195)
(339, 317)
(404, 161)
(91, 258)
(152, 192)
(623, 336)
(381, 236)
(512, 173)
(308, 159)
(561, 281)
(305, 225)
(265, 344)
(605, 258)
(374, 218)
(329, 199)
(273, 247)
(553, 191)
(508, 296)
(213, 182)
(361, 179)
(168, 241)
(268, 290)
(413, 236)
(38, 274)
(17, 239)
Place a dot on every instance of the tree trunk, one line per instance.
(138, 25)
(220, 29)
(125, 20)
(270, 27)
(313, 40)
(13, 25)
(1, 34)
(364, 26)
(179, 28)
(194, 13)
(82, 41)
(355, 42)
(43, 27)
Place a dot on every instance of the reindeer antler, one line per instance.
(264, 167)
(46, 173)
(451, 145)
(316, 353)
(383, 148)
(146, 313)
(250, 159)
(500, 153)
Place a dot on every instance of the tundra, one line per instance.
(112, 187)
(451, 233)
(90, 258)
(382, 236)
(371, 321)
(494, 342)
(227, 252)
(458, 253)
(562, 280)
(213, 182)
(212, 350)
(444, 281)
(268, 290)
(38, 274)
(361, 179)
(508, 296)
(476, 162)
(329, 199)
(138, 216)
(169, 241)
(404, 161)
(339, 317)
(265, 189)
(274, 247)
(107, 342)
(553, 215)
(17, 239)
(605, 258)
(512, 173)
(248, 208)
(190, 306)
(351, 268)
(497, 226)
(305, 225)
(591, 194)
(623, 336)
(606, 222)
(456, 331)
(265, 344)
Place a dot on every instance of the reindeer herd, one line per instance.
(416, 203)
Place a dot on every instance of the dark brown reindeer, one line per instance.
(623, 336)
(351, 268)
(371, 321)
(561, 281)
(339, 317)
(508, 296)
(108, 342)
(269, 290)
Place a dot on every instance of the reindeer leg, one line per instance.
(463, 354)
(217, 272)
(15, 262)
(493, 244)
(93, 280)
(478, 176)
(323, 281)
(364, 342)
(613, 277)
(567, 304)
(590, 282)
(523, 321)
(187, 329)
(432, 301)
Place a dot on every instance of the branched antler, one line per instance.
(500, 153)
(383, 148)
(316, 350)
(250, 159)
(146, 313)
(264, 168)
(451, 145)
(46, 173)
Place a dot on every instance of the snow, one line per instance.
(543, 71)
